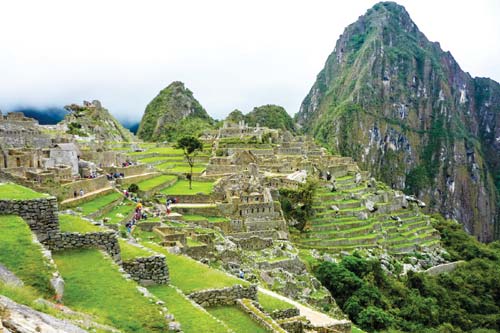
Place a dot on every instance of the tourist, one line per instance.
(129, 227)
(241, 274)
(75, 194)
(81, 192)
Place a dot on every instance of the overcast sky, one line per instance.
(231, 54)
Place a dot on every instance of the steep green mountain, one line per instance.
(92, 120)
(173, 112)
(404, 109)
(270, 115)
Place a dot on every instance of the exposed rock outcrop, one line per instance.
(15, 317)
(93, 121)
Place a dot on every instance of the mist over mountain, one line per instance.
(45, 116)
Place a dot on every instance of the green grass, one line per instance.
(182, 188)
(178, 167)
(72, 223)
(189, 275)
(98, 203)
(151, 183)
(192, 242)
(119, 213)
(10, 191)
(211, 219)
(23, 257)
(93, 284)
(191, 317)
(161, 158)
(130, 251)
(236, 319)
(270, 304)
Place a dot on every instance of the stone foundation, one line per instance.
(224, 296)
(148, 270)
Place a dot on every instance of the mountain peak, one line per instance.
(403, 108)
(173, 107)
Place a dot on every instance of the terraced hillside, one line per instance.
(364, 214)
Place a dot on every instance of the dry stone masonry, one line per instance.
(148, 270)
(224, 296)
(39, 214)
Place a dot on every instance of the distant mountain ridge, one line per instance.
(404, 110)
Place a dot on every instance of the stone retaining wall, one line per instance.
(284, 314)
(39, 214)
(253, 243)
(290, 265)
(69, 240)
(66, 191)
(260, 317)
(148, 270)
(224, 296)
(443, 268)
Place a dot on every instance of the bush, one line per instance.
(373, 318)
(134, 188)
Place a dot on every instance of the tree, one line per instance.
(190, 145)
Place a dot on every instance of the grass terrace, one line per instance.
(155, 159)
(236, 319)
(191, 317)
(181, 187)
(119, 213)
(270, 304)
(178, 167)
(11, 191)
(72, 223)
(189, 275)
(98, 203)
(94, 284)
(151, 183)
(130, 251)
(211, 219)
(22, 256)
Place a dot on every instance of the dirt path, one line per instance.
(315, 317)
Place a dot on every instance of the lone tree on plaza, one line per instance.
(190, 145)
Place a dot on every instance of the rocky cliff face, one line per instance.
(404, 109)
(172, 113)
(92, 120)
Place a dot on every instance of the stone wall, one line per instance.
(87, 185)
(444, 268)
(290, 265)
(253, 243)
(39, 214)
(69, 240)
(284, 314)
(224, 296)
(148, 270)
(260, 317)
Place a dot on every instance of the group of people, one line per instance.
(139, 214)
(92, 175)
(169, 202)
(115, 175)
(81, 193)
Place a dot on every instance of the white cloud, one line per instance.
(231, 54)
